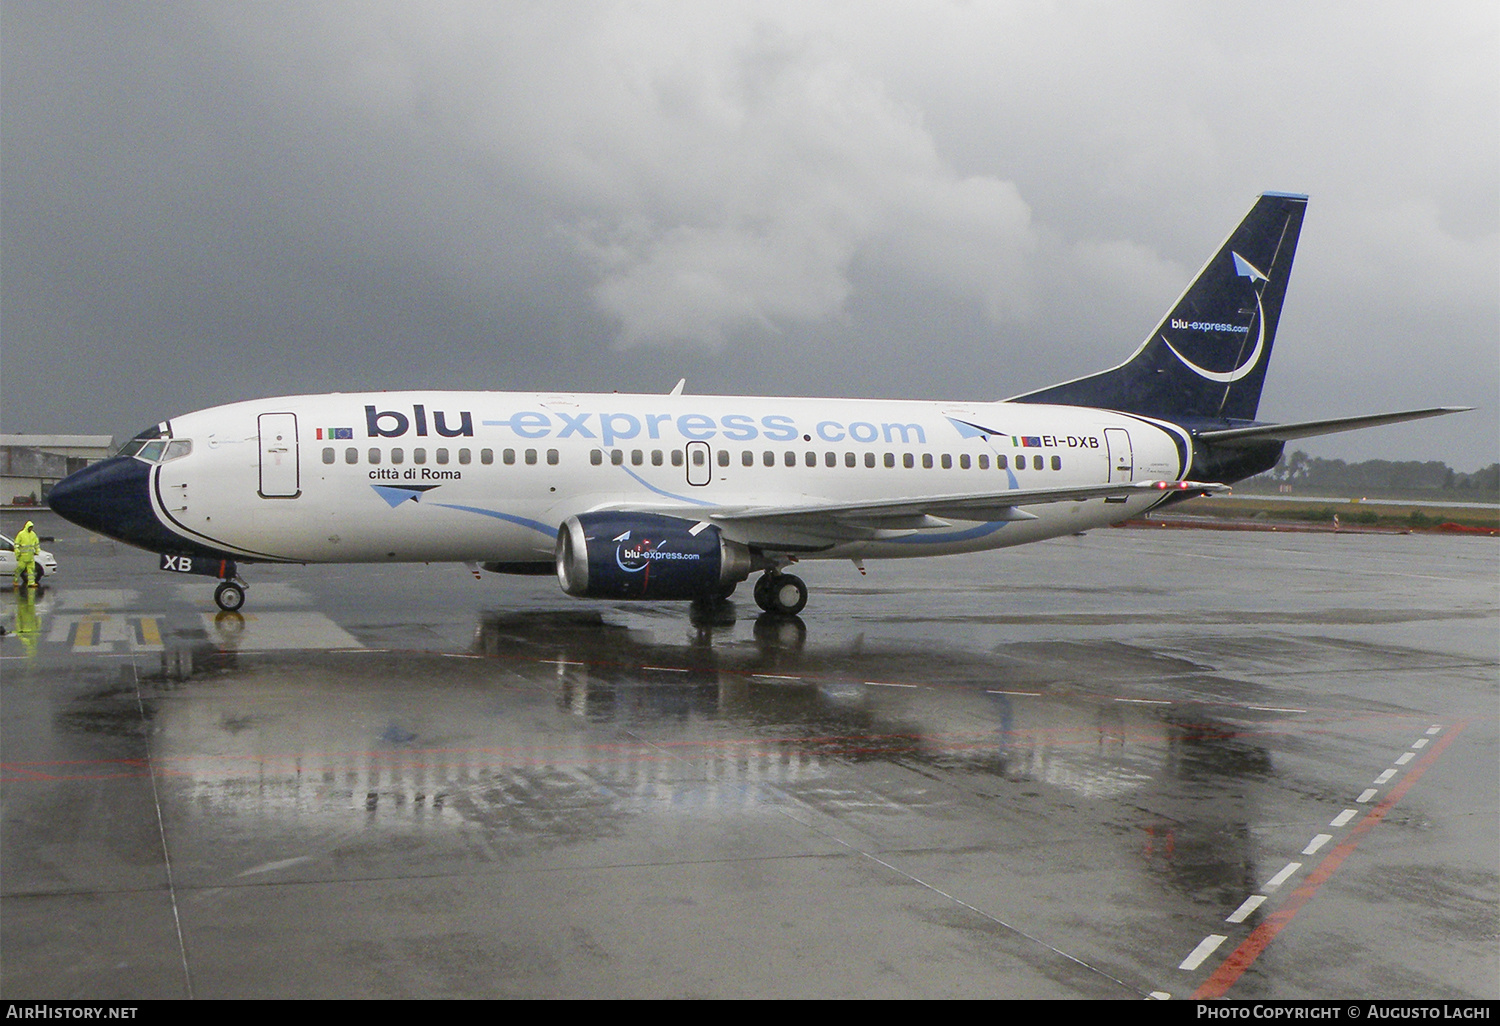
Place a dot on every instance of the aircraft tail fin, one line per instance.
(1207, 359)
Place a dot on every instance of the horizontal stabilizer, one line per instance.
(1309, 428)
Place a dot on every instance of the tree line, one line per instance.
(1306, 473)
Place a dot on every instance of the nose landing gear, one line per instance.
(230, 595)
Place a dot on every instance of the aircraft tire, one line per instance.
(229, 596)
(787, 594)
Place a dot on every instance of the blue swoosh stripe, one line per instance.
(535, 525)
(987, 528)
(646, 484)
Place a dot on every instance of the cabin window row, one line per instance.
(657, 458)
(442, 456)
(791, 458)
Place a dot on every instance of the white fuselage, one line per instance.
(490, 476)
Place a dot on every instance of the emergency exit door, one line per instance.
(700, 470)
(279, 477)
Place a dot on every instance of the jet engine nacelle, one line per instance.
(647, 556)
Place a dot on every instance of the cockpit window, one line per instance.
(151, 451)
(177, 448)
(140, 441)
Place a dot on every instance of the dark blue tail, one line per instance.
(1207, 359)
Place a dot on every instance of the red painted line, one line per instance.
(1233, 967)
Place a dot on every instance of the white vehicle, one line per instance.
(683, 497)
(45, 564)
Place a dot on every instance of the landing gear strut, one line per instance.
(783, 594)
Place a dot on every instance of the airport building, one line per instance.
(31, 464)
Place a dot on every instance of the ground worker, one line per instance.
(27, 544)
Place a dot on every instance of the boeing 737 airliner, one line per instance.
(683, 497)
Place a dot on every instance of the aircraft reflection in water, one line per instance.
(470, 753)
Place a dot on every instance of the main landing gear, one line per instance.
(783, 594)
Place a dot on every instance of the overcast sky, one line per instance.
(208, 202)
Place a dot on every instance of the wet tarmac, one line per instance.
(1133, 763)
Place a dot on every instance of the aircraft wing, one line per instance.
(820, 524)
(1310, 428)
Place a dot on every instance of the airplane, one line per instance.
(683, 496)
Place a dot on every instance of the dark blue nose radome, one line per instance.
(112, 497)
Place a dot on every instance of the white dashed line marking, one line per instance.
(1316, 843)
(1210, 944)
(1207, 946)
(1249, 905)
(1282, 877)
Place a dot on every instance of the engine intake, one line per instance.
(647, 556)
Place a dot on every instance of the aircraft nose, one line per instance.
(110, 497)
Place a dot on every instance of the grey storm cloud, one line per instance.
(204, 202)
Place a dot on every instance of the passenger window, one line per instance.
(486, 456)
(963, 461)
(890, 460)
(1057, 463)
(553, 457)
(984, 462)
(947, 461)
(328, 455)
(869, 459)
(849, 460)
(676, 457)
(637, 458)
(351, 455)
(509, 456)
(374, 457)
(747, 458)
(530, 457)
(398, 455)
(908, 461)
(596, 457)
(1036, 463)
(927, 461)
(442, 456)
(656, 460)
(1000, 462)
(830, 459)
(811, 459)
(419, 456)
(790, 459)
(723, 457)
(463, 456)
(617, 457)
(770, 458)
(698, 455)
